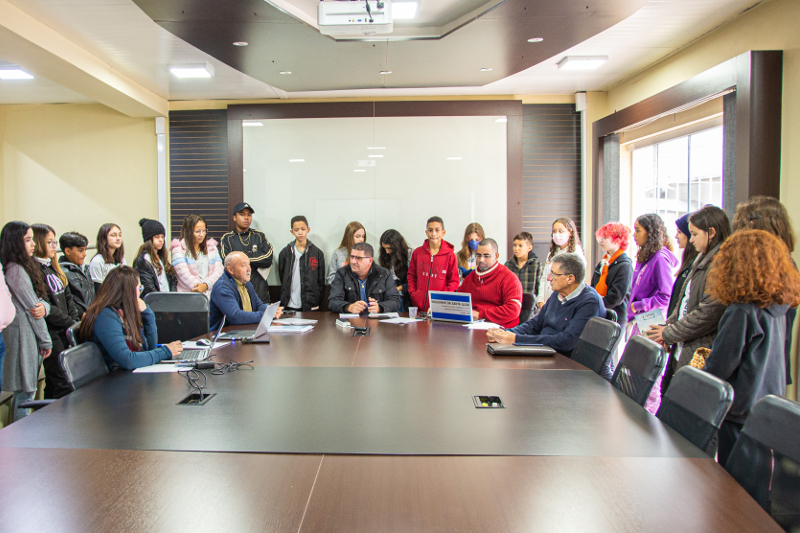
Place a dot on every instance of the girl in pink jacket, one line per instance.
(195, 257)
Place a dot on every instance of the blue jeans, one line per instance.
(2, 357)
(18, 398)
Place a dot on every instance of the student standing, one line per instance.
(525, 264)
(565, 240)
(122, 325)
(26, 338)
(152, 260)
(748, 351)
(395, 255)
(195, 258)
(7, 313)
(433, 265)
(255, 246)
(63, 312)
(354, 233)
(473, 234)
(301, 266)
(73, 246)
(110, 253)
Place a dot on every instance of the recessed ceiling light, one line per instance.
(581, 62)
(486, 69)
(197, 70)
(359, 170)
(502, 119)
(240, 43)
(404, 10)
(375, 155)
(453, 158)
(297, 161)
(14, 74)
(535, 40)
(385, 72)
(285, 72)
(376, 148)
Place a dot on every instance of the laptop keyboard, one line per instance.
(193, 355)
(239, 334)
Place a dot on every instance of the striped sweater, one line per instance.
(186, 267)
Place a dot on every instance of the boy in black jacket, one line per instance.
(73, 245)
(301, 267)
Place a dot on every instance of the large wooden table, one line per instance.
(363, 434)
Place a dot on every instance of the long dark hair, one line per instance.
(158, 258)
(709, 217)
(120, 290)
(765, 213)
(574, 238)
(12, 250)
(689, 254)
(102, 245)
(398, 259)
(187, 235)
(657, 237)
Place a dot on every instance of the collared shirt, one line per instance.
(572, 295)
(362, 286)
(242, 287)
(295, 297)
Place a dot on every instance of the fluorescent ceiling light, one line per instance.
(240, 43)
(454, 158)
(404, 10)
(197, 70)
(502, 119)
(486, 69)
(285, 72)
(581, 62)
(14, 74)
(251, 123)
(297, 161)
(375, 155)
(535, 40)
(376, 148)
(384, 72)
(359, 170)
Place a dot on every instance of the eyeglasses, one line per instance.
(200, 231)
(557, 274)
(484, 256)
(52, 244)
(358, 258)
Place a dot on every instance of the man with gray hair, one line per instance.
(496, 291)
(362, 286)
(233, 296)
(564, 315)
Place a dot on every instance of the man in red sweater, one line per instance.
(496, 291)
(433, 266)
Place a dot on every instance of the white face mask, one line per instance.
(561, 238)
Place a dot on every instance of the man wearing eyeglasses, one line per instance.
(362, 286)
(496, 291)
(564, 315)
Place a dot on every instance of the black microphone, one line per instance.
(427, 295)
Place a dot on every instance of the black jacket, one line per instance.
(677, 288)
(148, 277)
(80, 284)
(618, 281)
(312, 275)
(255, 245)
(63, 312)
(380, 286)
(748, 353)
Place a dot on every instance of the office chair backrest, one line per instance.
(179, 315)
(596, 344)
(642, 362)
(82, 364)
(72, 334)
(611, 315)
(766, 459)
(527, 307)
(695, 405)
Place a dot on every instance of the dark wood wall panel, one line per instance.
(551, 169)
(198, 163)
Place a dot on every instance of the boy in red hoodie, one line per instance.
(433, 266)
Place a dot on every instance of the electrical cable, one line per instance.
(231, 366)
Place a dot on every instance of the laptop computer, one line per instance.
(192, 355)
(260, 333)
(450, 306)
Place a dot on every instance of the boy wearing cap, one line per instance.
(253, 243)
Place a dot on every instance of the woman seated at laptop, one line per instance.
(122, 325)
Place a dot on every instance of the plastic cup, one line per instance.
(412, 312)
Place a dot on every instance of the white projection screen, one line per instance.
(387, 173)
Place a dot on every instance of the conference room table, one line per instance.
(333, 432)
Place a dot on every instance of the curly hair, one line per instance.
(618, 233)
(763, 212)
(657, 237)
(574, 238)
(753, 266)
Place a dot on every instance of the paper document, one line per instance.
(192, 345)
(650, 318)
(401, 320)
(348, 315)
(481, 325)
(295, 321)
(160, 369)
(289, 329)
(384, 315)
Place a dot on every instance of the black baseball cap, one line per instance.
(241, 206)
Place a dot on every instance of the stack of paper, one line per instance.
(295, 321)
(401, 320)
(288, 329)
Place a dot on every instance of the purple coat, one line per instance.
(652, 283)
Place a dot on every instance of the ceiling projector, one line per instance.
(355, 17)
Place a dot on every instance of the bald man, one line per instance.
(233, 296)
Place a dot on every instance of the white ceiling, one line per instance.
(119, 33)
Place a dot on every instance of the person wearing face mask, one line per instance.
(565, 240)
(496, 291)
(467, 262)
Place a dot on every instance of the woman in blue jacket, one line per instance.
(122, 325)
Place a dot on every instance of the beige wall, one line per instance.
(772, 25)
(76, 167)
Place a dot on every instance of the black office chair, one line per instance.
(596, 344)
(527, 307)
(766, 459)
(611, 315)
(72, 334)
(179, 315)
(642, 362)
(695, 405)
